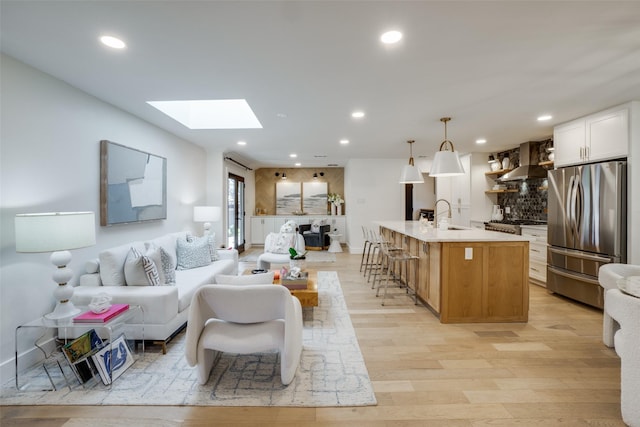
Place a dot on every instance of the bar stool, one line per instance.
(400, 258)
(365, 248)
(379, 258)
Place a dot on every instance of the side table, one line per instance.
(334, 246)
(47, 336)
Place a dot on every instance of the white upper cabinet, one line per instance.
(600, 136)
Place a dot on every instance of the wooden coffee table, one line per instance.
(308, 297)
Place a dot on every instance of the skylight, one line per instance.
(210, 114)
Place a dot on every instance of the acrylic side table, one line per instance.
(38, 346)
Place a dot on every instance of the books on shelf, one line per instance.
(91, 317)
(112, 361)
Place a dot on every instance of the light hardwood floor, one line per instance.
(552, 371)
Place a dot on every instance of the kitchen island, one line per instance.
(465, 275)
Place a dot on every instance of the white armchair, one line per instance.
(276, 245)
(625, 309)
(608, 276)
(244, 319)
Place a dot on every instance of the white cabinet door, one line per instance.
(261, 226)
(600, 136)
(568, 142)
(608, 135)
(461, 215)
(461, 184)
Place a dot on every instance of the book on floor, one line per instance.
(78, 353)
(113, 360)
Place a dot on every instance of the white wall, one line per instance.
(373, 191)
(49, 156)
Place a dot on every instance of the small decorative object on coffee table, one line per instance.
(298, 260)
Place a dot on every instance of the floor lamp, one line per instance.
(57, 232)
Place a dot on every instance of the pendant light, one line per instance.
(445, 162)
(410, 173)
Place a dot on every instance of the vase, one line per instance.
(300, 263)
(333, 208)
(339, 210)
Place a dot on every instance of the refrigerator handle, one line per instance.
(569, 207)
(572, 208)
(579, 208)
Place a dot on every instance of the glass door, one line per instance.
(235, 212)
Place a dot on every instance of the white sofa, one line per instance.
(166, 307)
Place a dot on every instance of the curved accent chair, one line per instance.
(608, 276)
(276, 245)
(244, 319)
(621, 329)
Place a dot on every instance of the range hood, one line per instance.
(529, 168)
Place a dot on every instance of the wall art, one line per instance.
(133, 185)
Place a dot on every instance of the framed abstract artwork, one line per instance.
(133, 185)
(288, 198)
(314, 198)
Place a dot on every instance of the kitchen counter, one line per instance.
(465, 275)
(455, 233)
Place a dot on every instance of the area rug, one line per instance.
(331, 372)
(312, 256)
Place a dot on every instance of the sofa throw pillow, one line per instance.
(164, 263)
(281, 242)
(211, 241)
(193, 254)
(315, 226)
(245, 279)
(140, 270)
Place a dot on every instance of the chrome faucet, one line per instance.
(435, 208)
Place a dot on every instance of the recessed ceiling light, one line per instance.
(357, 114)
(113, 42)
(344, 141)
(298, 164)
(210, 113)
(391, 37)
(481, 141)
(544, 118)
(242, 143)
(293, 155)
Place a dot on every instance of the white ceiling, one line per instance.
(492, 66)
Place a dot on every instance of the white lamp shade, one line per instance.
(54, 231)
(446, 163)
(206, 213)
(411, 175)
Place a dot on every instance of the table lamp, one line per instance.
(57, 232)
(206, 214)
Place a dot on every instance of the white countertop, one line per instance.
(461, 234)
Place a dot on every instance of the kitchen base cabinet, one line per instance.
(466, 276)
(484, 282)
(537, 253)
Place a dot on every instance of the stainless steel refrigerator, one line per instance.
(587, 227)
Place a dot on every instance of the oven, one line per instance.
(510, 226)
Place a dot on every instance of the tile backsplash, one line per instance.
(530, 202)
